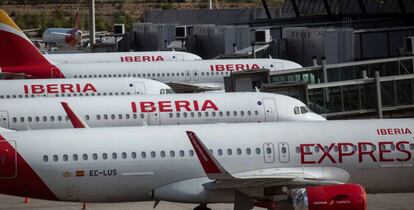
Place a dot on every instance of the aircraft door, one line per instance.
(4, 119)
(277, 66)
(195, 75)
(269, 153)
(55, 72)
(270, 110)
(178, 57)
(187, 75)
(284, 155)
(8, 159)
(139, 88)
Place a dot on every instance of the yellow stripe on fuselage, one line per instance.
(5, 19)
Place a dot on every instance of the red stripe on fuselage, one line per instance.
(25, 182)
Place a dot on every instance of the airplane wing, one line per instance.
(191, 88)
(294, 176)
(74, 118)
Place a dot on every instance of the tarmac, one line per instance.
(375, 202)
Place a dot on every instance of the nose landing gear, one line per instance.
(202, 206)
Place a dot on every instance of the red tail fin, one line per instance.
(15, 48)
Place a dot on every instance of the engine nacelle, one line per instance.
(334, 197)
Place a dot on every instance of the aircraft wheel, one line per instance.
(202, 207)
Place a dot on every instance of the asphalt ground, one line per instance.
(375, 202)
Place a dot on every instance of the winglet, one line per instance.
(77, 121)
(211, 166)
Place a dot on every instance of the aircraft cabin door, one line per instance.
(187, 75)
(139, 88)
(270, 110)
(284, 155)
(195, 75)
(268, 152)
(8, 157)
(4, 119)
(55, 73)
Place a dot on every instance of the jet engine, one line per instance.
(334, 197)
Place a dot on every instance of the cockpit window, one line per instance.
(296, 110)
(169, 91)
(303, 110)
(162, 91)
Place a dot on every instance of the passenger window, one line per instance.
(98, 117)
(153, 154)
(242, 113)
(172, 153)
(296, 110)
(29, 119)
(21, 119)
(283, 150)
(75, 157)
(213, 114)
(221, 113)
(220, 152)
(199, 114)
(229, 152)
(170, 114)
(124, 155)
(85, 157)
(239, 151)
(234, 113)
(191, 153)
(112, 116)
(268, 150)
(177, 114)
(94, 156)
(206, 114)
(185, 114)
(143, 155)
(182, 153)
(105, 116)
(127, 116)
(65, 158)
(192, 114)
(37, 119)
(120, 116)
(248, 151)
(141, 116)
(15, 119)
(227, 113)
(55, 158)
(104, 156)
(249, 113)
(133, 155)
(45, 158)
(258, 151)
(162, 154)
(114, 156)
(87, 117)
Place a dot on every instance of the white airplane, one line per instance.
(186, 76)
(154, 110)
(81, 87)
(317, 165)
(121, 57)
(63, 37)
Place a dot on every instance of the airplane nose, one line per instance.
(315, 117)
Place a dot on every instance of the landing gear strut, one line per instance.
(202, 206)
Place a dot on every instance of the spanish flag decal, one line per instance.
(80, 173)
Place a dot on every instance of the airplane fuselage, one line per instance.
(147, 163)
(170, 109)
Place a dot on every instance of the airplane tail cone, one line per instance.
(15, 48)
